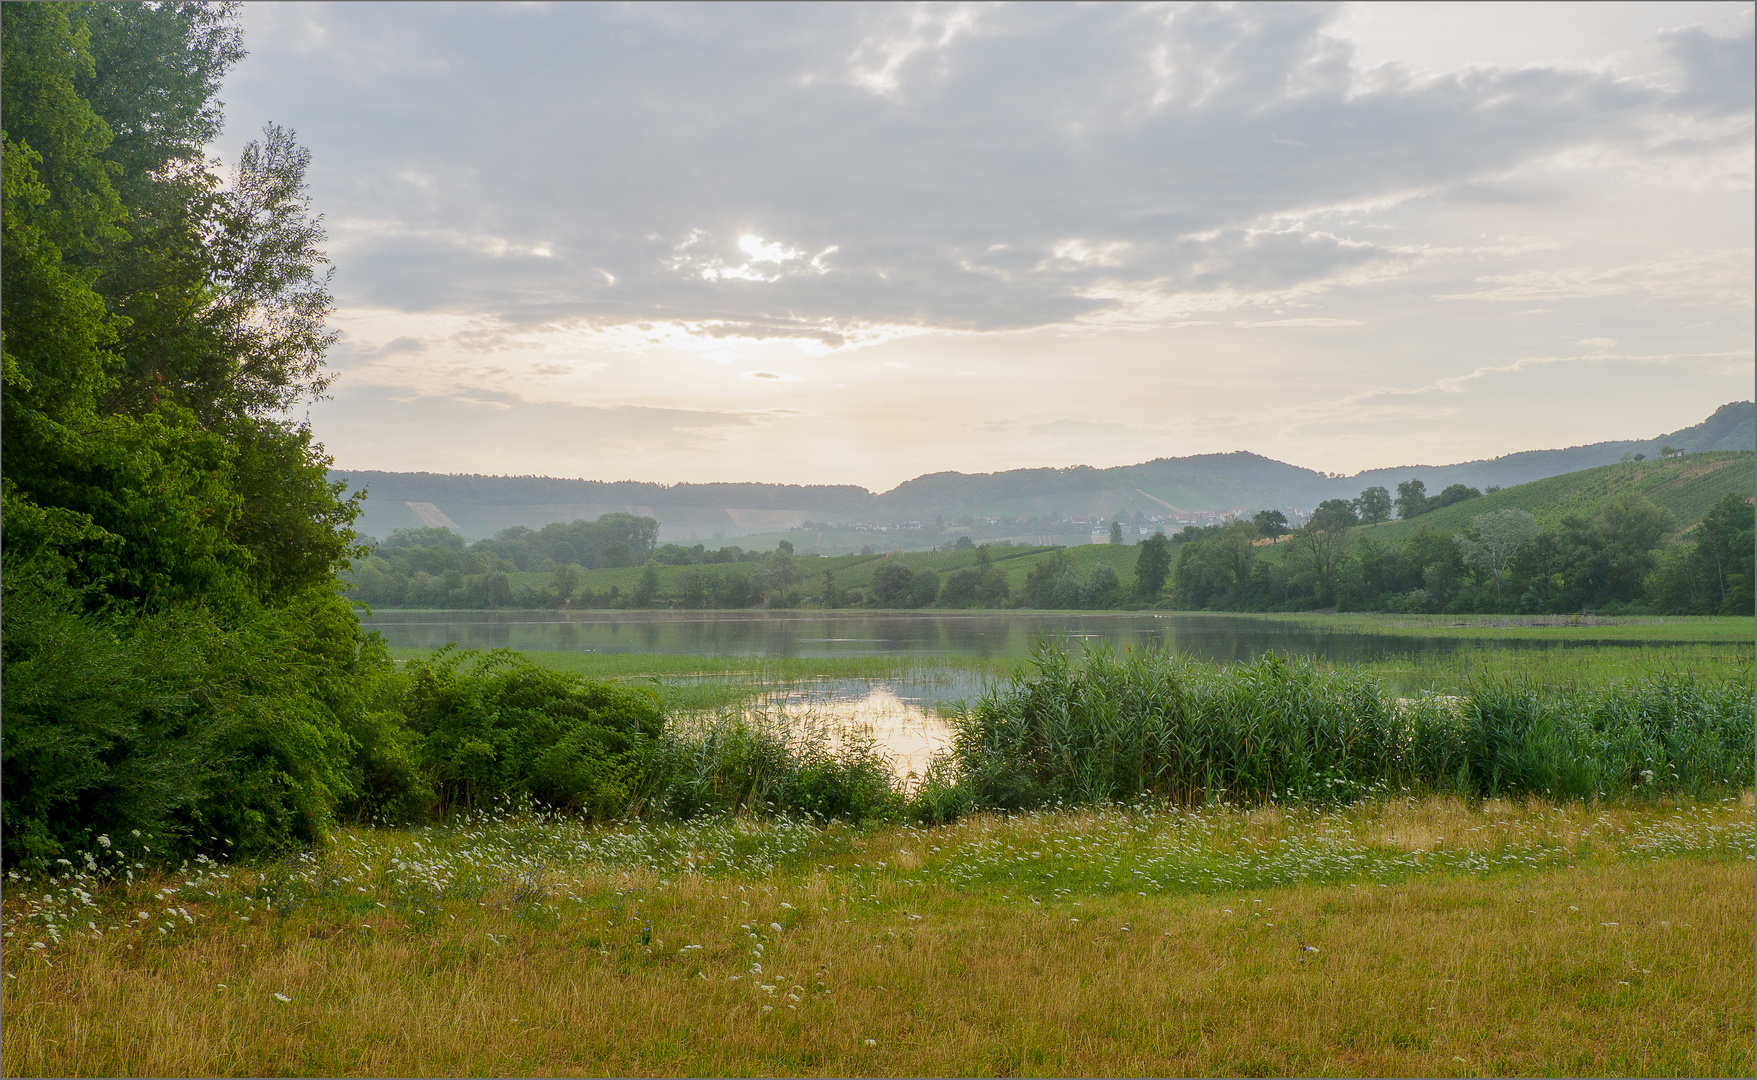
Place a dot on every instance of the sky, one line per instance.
(858, 243)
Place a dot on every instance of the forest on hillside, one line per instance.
(1601, 545)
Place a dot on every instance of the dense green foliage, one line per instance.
(1502, 560)
(436, 568)
(1102, 727)
(483, 728)
(176, 656)
(178, 659)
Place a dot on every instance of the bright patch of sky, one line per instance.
(856, 243)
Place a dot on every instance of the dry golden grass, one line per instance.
(1618, 963)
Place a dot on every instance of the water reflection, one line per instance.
(1218, 638)
(906, 726)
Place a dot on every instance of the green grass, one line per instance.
(1586, 667)
(1571, 628)
(1392, 937)
(1688, 486)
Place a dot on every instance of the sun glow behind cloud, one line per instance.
(920, 237)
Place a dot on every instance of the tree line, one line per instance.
(1614, 561)
(437, 568)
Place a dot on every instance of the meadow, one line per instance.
(1360, 909)
(1402, 935)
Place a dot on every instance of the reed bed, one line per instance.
(1100, 727)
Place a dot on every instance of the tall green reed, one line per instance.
(753, 761)
(1099, 726)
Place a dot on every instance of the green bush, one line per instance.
(494, 725)
(226, 739)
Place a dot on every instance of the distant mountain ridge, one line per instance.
(480, 506)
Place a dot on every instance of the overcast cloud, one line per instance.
(849, 243)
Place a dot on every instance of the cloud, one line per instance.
(1722, 276)
(1033, 223)
(392, 428)
(798, 171)
(1251, 324)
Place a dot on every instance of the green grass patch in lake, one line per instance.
(1642, 628)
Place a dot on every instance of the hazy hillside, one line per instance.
(1688, 486)
(479, 506)
(1731, 427)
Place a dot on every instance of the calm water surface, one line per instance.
(1225, 639)
(902, 714)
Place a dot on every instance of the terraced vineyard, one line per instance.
(1688, 486)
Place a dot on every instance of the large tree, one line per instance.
(1495, 540)
(176, 654)
(1318, 554)
(1152, 564)
(1271, 524)
(1215, 571)
(1374, 505)
(1412, 499)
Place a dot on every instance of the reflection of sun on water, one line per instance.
(909, 734)
(905, 733)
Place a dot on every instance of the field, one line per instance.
(1401, 933)
(1404, 936)
(1687, 486)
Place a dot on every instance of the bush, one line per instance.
(495, 725)
(213, 738)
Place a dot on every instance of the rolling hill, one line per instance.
(1688, 486)
(480, 506)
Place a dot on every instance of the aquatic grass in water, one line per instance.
(1099, 727)
(769, 761)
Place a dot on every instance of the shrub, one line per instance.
(226, 739)
(495, 725)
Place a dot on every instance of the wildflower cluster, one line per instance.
(96, 894)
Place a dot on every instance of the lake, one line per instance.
(901, 713)
(1218, 638)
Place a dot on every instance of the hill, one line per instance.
(1032, 506)
(1688, 486)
